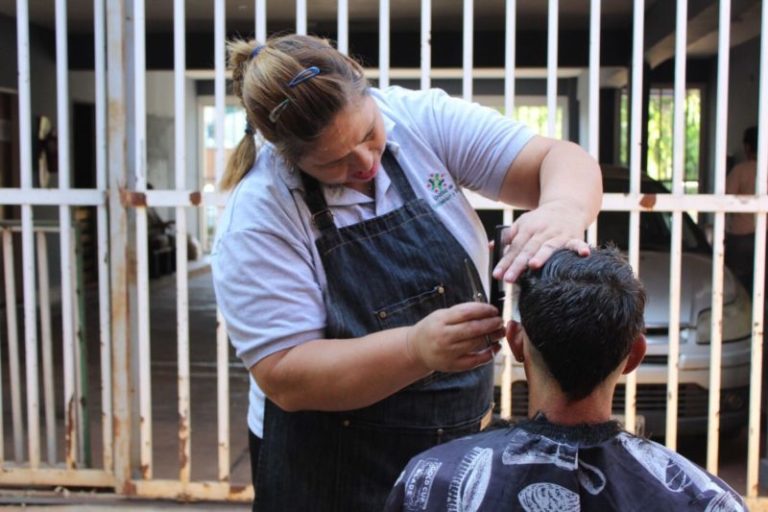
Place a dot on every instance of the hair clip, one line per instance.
(303, 76)
(275, 113)
(256, 51)
(248, 128)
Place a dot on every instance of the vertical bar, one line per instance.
(426, 43)
(142, 249)
(383, 43)
(342, 27)
(552, 68)
(81, 363)
(27, 236)
(506, 376)
(71, 425)
(715, 356)
(13, 345)
(510, 48)
(467, 62)
(756, 382)
(222, 342)
(594, 79)
(678, 157)
(630, 395)
(301, 17)
(102, 227)
(593, 95)
(219, 83)
(182, 287)
(222, 387)
(2, 431)
(47, 345)
(261, 21)
(119, 278)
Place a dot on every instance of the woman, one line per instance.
(340, 265)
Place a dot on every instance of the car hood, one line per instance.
(695, 287)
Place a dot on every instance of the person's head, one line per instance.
(311, 102)
(582, 320)
(750, 142)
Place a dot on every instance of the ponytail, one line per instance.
(239, 162)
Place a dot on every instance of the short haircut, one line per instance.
(750, 138)
(582, 314)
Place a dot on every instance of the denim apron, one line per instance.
(385, 272)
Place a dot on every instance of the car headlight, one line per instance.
(737, 320)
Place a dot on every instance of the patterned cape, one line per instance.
(539, 466)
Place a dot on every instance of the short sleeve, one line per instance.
(268, 293)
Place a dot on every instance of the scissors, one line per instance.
(477, 293)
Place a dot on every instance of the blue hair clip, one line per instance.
(248, 128)
(303, 76)
(256, 51)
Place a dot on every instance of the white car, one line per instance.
(695, 315)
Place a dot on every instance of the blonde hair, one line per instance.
(260, 79)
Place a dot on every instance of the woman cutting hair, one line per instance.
(340, 265)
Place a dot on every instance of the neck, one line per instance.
(365, 187)
(545, 396)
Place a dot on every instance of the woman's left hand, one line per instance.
(535, 235)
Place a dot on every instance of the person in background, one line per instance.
(340, 265)
(580, 329)
(740, 227)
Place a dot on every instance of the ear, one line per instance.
(515, 340)
(636, 354)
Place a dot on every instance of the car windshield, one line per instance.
(655, 227)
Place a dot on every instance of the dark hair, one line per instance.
(289, 115)
(750, 138)
(582, 314)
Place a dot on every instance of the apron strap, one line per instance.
(322, 216)
(397, 176)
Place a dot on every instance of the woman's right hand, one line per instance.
(455, 339)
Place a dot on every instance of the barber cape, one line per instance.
(539, 466)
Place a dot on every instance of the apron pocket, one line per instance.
(411, 310)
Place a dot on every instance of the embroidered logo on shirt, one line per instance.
(442, 191)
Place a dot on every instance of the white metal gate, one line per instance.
(121, 198)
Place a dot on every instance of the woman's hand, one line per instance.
(535, 235)
(454, 339)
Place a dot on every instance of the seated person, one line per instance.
(581, 329)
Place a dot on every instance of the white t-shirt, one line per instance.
(268, 276)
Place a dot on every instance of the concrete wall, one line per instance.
(742, 94)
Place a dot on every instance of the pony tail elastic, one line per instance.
(240, 162)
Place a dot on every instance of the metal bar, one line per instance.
(2, 430)
(675, 260)
(71, 425)
(119, 276)
(102, 228)
(261, 20)
(142, 245)
(509, 57)
(594, 79)
(47, 345)
(552, 68)
(51, 197)
(213, 491)
(219, 22)
(182, 286)
(635, 159)
(506, 376)
(756, 377)
(383, 43)
(27, 236)
(21, 476)
(718, 251)
(468, 47)
(222, 388)
(426, 43)
(13, 345)
(342, 26)
(301, 17)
